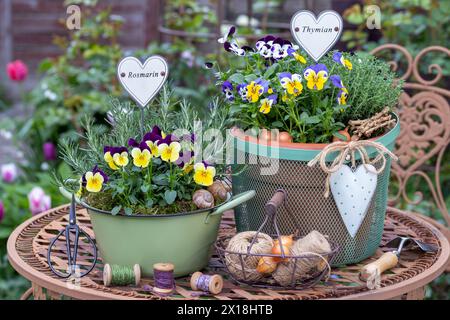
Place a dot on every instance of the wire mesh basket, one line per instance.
(299, 271)
(286, 168)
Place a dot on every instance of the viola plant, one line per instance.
(155, 171)
(277, 86)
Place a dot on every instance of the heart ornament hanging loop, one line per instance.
(316, 35)
(142, 80)
(352, 187)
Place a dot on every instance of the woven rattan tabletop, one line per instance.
(28, 245)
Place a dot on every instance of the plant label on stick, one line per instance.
(316, 35)
(352, 191)
(142, 81)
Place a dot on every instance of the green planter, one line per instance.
(285, 167)
(184, 239)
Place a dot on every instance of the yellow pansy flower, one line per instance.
(316, 76)
(141, 158)
(291, 82)
(110, 161)
(299, 58)
(204, 176)
(94, 182)
(348, 64)
(254, 91)
(121, 159)
(153, 148)
(169, 153)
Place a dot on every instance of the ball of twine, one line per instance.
(312, 246)
(245, 268)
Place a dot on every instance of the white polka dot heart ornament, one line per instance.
(352, 191)
(142, 80)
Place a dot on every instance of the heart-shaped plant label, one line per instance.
(142, 81)
(316, 35)
(352, 192)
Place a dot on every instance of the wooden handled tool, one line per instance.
(387, 261)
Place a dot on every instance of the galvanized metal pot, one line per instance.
(184, 239)
(285, 167)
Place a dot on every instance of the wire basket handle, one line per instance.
(271, 208)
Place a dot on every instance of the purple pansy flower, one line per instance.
(94, 171)
(336, 80)
(227, 89)
(263, 83)
(273, 97)
(153, 135)
(242, 90)
(228, 35)
(337, 56)
(234, 48)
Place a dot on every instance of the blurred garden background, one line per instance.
(51, 77)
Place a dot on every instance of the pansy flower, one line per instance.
(204, 174)
(227, 89)
(339, 58)
(342, 97)
(242, 90)
(141, 155)
(343, 92)
(266, 103)
(281, 47)
(95, 179)
(254, 91)
(291, 82)
(293, 53)
(115, 157)
(234, 48)
(169, 152)
(227, 35)
(316, 76)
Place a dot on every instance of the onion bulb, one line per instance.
(286, 243)
(344, 133)
(266, 265)
(285, 137)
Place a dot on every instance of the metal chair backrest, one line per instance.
(425, 126)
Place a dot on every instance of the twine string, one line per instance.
(323, 259)
(346, 151)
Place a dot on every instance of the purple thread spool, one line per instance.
(203, 282)
(164, 280)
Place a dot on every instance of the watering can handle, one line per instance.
(233, 202)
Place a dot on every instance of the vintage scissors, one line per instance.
(72, 248)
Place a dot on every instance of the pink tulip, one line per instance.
(9, 172)
(2, 211)
(38, 200)
(49, 150)
(17, 71)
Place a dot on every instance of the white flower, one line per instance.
(50, 95)
(9, 172)
(44, 166)
(5, 134)
(243, 21)
(187, 56)
(38, 200)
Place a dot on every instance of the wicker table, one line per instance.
(27, 251)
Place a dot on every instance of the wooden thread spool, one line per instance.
(108, 275)
(214, 283)
(164, 280)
